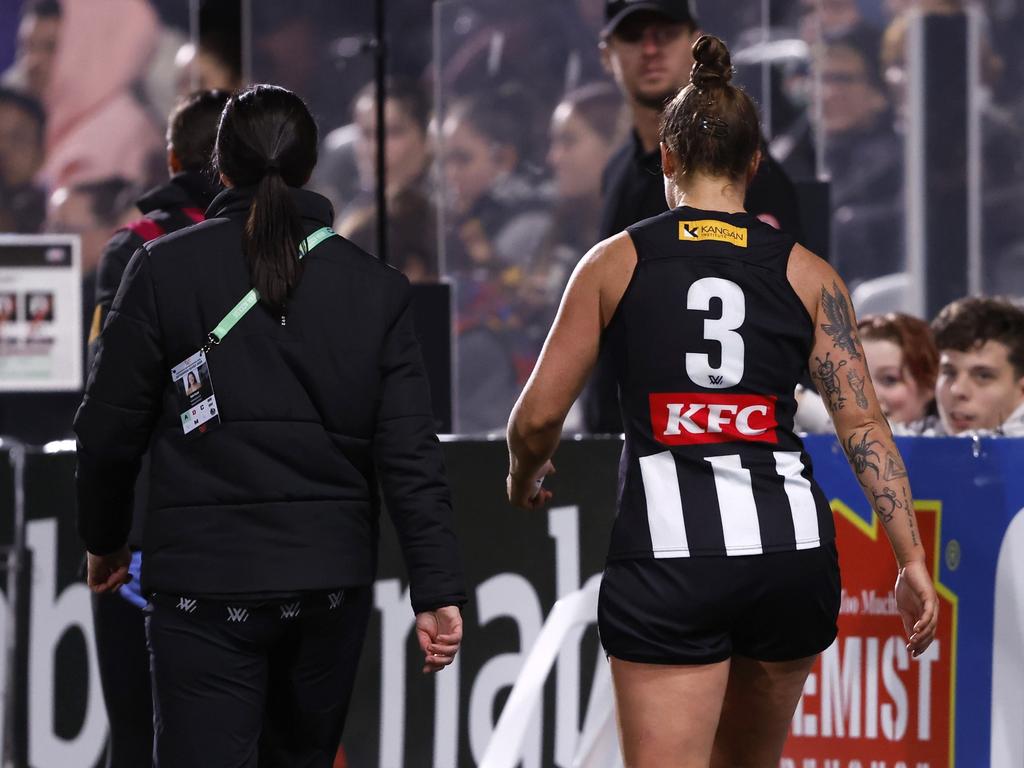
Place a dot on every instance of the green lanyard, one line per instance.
(250, 299)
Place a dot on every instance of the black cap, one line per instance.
(681, 11)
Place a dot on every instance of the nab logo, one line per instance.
(693, 418)
(710, 229)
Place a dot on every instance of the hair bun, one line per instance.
(712, 64)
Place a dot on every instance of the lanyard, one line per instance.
(216, 336)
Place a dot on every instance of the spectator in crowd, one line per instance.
(412, 219)
(495, 222)
(38, 35)
(980, 387)
(118, 618)
(22, 128)
(863, 157)
(96, 127)
(646, 46)
(586, 127)
(904, 362)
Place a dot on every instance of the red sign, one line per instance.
(867, 703)
(692, 418)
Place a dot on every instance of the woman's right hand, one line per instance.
(918, 605)
(439, 633)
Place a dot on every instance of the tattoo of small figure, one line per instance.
(894, 468)
(840, 322)
(862, 452)
(857, 384)
(827, 373)
(886, 504)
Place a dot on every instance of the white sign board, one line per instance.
(40, 313)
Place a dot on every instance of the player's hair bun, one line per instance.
(712, 64)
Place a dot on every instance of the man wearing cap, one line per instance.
(646, 46)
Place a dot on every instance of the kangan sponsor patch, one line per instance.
(711, 229)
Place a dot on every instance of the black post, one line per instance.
(380, 50)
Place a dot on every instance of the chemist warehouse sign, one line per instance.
(868, 703)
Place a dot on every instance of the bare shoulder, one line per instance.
(808, 273)
(610, 265)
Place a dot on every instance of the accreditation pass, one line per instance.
(194, 389)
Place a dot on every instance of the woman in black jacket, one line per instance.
(260, 545)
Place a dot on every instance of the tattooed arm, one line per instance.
(841, 375)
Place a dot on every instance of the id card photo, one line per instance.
(197, 404)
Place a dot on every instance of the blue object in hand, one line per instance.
(132, 591)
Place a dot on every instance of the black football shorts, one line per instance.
(701, 610)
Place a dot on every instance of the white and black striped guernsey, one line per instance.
(708, 344)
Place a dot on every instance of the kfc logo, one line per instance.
(679, 418)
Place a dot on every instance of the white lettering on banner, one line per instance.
(507, 595)
(52, 616)
(850, 695)
(564, 528)
(840, 697)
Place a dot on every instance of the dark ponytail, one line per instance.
(268, 139)
(712, 126)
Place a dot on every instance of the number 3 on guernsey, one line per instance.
(721, 329)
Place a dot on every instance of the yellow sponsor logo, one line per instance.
(710, 229)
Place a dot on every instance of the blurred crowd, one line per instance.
(500, 118)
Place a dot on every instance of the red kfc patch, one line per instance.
(695, 418)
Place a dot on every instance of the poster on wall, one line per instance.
(40, 313)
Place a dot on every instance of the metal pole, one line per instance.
(380, 50)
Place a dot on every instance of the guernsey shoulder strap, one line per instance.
(216, 336)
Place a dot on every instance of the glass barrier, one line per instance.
(527, 117)
(999, 106)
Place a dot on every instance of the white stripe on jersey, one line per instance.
(790, 465)
(664, 505)
(739, 510)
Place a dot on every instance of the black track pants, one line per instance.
(260, 684)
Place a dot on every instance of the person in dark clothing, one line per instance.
(181, 202)
(262, 522)
(646, 46)
(118, 618)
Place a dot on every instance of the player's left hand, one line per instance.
(529, 492)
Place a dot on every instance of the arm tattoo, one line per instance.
(861, 453)
(857, 383)
(886, 504)
(894, 468)
(840, 323)
(827, 374)
(910, 517)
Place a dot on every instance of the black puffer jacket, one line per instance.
(282, 496)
